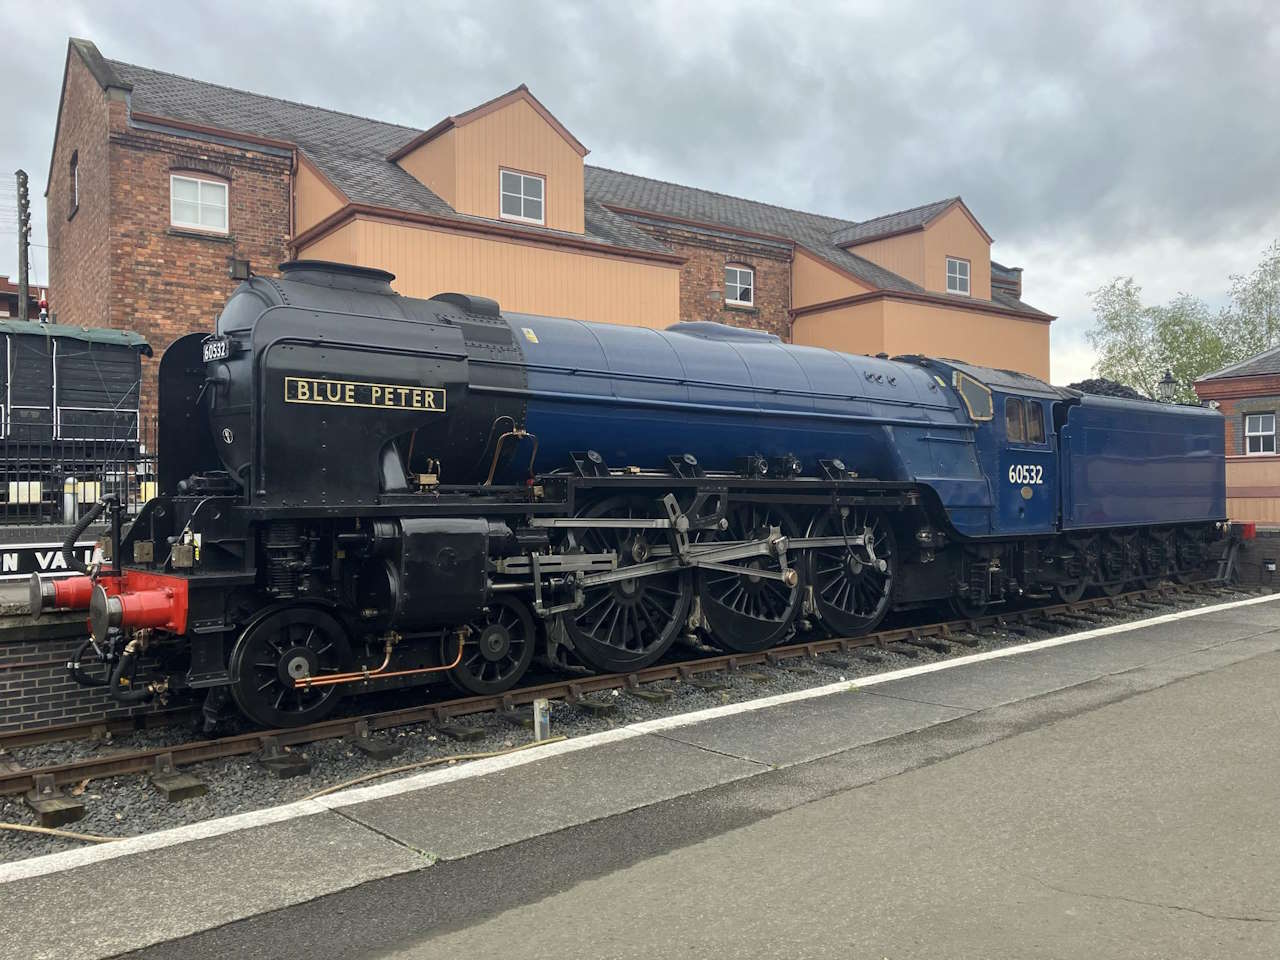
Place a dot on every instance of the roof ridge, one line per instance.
(919, 206)
(264, 96)
(728, 196)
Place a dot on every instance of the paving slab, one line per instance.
(117, 905)
(468, 816)
(1121, 833)
(804, 731)
(986, 684)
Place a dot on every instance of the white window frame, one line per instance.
(741, 269)
(539, 221)
(959, 275)
(201, 183)
(75, 180)
(1260, 433)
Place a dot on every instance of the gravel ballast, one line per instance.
(130, 805)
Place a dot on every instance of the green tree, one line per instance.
(1253, 319)
(1137, 343)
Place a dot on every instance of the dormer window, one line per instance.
(522, 196)
(957, 276)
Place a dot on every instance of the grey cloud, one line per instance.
(1110, 124)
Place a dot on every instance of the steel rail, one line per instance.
(15, 781)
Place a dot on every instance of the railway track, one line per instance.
(941, 637)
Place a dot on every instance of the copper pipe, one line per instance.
(380, 673)
(497, 452)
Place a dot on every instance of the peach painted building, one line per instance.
(156, 181)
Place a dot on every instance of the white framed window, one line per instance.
(75, 179)
(1259, 434)
(739, 285)
(523, 196)
(197, 204)
(957, 275)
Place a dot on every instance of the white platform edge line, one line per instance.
(71, 859)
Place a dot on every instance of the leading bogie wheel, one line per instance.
(629, 623)
(497, 647)
(280, 649)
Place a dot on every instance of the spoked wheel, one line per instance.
(628, 624)
(1154, 550)
(498, 650)
(852, 581)
(283, 647)
(751, 610)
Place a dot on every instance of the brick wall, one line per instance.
(1238, 397)
(702, 277)
(35, 690)
(79, 239)
(169, 282)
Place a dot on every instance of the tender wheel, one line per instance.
(628, 624)
(498, 651)
(749, 611)
(282, 647)
(1077, 568)
(853, 583)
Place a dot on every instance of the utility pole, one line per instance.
(24, 243)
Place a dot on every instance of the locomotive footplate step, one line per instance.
(174, 785)
(462, 732)
(51, 806)
(281, 762)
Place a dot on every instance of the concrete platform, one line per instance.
(920, 804)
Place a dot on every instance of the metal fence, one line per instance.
(51, 475)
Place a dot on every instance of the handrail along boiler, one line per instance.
(362, 490)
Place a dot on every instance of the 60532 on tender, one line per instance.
(362, 490)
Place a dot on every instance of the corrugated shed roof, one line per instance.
(66, 331)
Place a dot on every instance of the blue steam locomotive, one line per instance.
(362, 490)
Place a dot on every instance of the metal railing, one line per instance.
(50, 474)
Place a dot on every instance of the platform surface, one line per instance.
(1109, 797)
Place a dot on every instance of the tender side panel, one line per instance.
(1128, 463)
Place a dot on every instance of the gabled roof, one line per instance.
(475, 113)
(357, 154)
(891, 223)
(904, 221)
(1266, 362)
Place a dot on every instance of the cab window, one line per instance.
(1035, 422)
(976, 396)
(1015, 420)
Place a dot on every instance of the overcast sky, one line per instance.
(1089, 139)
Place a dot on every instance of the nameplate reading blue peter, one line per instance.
(361, 393)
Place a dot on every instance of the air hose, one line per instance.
(123, 668)
(69, 545)
(77, 672)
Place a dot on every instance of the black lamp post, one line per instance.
(1167, 387)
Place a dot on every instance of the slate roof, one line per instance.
(352, 152)
(891, 223)
(1266, 362)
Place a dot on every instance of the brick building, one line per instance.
(1248, 396)
(9, 299)
(156, 181)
